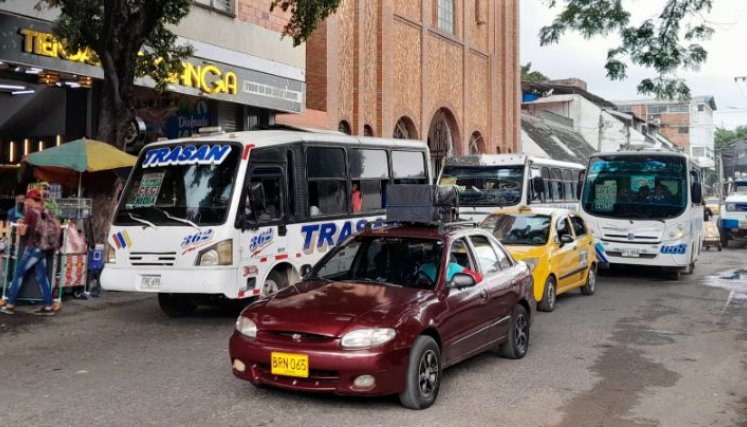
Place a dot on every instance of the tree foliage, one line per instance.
(725, 137)
(668, 43)
(529, 75)
(130, 38)
(306, 15)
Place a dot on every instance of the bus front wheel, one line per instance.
(273, 283)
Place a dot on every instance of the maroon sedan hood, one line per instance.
(328, 308)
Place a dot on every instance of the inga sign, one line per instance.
(31, 42)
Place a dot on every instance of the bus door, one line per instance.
(262, 218)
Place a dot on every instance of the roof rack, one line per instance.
(457, 224)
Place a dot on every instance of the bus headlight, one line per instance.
(110, 254)
(220, 253)
(731, 207)
(678, 231)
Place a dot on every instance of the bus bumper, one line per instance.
(674, 254)
(204, 280)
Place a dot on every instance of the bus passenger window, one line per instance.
(369, 170)
(327, 181)
(409, 167)
(263, 200)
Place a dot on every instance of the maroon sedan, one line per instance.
(386, 312)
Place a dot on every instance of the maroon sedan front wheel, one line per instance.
(423, 374)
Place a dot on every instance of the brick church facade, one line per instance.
(445, 71)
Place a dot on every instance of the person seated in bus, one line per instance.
(644, 193)
(315, 211)
(661, 195)
(356, 197)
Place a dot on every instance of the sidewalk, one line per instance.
(71, 307)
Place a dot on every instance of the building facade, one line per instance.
(442, 71)
(689, 124)
(242, 74)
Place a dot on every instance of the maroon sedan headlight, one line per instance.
(246, 326)
(363, 338)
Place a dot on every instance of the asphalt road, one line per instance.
(642, 351)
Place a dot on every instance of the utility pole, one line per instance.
(627, 132)
(601, 130)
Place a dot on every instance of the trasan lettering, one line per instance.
(186, 155)
(329, 234)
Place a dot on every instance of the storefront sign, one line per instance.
(31, 42)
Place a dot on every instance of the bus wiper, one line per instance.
(173, 218)
(140, 220)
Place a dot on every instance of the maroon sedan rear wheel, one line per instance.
(518, 336)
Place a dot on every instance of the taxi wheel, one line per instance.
(518, 335)
(423, 374)
(176, 306)
(591, 281)
(548, 297)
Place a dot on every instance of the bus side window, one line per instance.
(570, 192)
(408, 167)
(548, 184)
(327, 177)
(369, 172)
(535, 192)
(263, 200)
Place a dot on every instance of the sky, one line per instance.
(575, 56)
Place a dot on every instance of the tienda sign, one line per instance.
(208, 78)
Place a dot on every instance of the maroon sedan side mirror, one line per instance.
(461, 280)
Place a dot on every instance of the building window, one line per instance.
(683, 130)
(699, 151)
(405, 129)
(367, 130)
(344, 127)
(476, 143)
(445, 14)
(701, 107)
(221, 5)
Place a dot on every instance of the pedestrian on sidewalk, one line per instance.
(34, 254)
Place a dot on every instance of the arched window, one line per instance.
(443, 135)
(367, 130)
(476, 143)
(498, 150)
(344, 127)
(404, 129)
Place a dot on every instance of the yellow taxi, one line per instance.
(555, 243)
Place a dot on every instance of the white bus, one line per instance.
(488, 182)
(231, 216)
(645, 208)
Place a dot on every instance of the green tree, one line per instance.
(668, 43)
(724, 137)
(527, 75)
(116, 31)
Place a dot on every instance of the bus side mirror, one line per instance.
(697, 193)
(580, 184)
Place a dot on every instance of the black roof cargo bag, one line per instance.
(422, 204)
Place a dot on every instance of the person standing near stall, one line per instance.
(33, 255)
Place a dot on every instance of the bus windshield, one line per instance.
(486, 185)
(181, 184)
(636, 187)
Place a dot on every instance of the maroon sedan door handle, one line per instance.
(484, 294)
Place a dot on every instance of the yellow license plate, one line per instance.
(290, 365)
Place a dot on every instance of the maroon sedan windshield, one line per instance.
(400, 261)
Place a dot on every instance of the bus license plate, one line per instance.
(630, 253)
(150, 282)
(290, 365)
